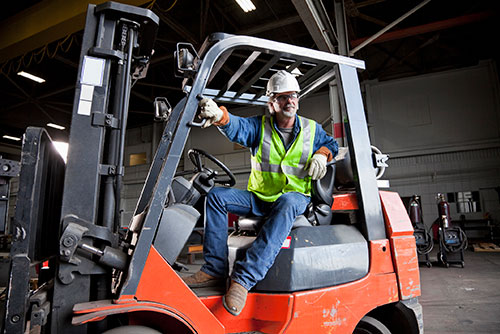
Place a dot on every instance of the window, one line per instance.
(138, 159)
(466, 201)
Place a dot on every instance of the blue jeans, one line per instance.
(263, 251)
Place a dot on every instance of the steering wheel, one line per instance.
(195, 156)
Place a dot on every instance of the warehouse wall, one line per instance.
(442, 132)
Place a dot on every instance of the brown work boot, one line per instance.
(235, 298)
(202, 280)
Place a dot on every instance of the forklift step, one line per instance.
(486, 247)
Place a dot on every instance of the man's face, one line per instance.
(286, 103)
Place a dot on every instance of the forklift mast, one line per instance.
(116, 48)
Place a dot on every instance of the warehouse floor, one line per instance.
(467, 300)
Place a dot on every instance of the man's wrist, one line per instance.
(225, 117)
(326, 152)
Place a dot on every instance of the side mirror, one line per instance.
(186, 57)
(379, 161)
(162, 109)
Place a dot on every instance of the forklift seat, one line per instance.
(338, 176)
(317, 213)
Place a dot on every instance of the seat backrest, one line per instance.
(322, 189)
(344, 177)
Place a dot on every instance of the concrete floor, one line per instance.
(467, 300)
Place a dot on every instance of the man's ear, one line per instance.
(270, 107)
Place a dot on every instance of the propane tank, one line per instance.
(415, 212)
(444, 211)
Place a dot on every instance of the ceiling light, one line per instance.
(55, 126)
(11, 137)
(246, 5)
(62, 148)
(31, 76)
(296, 72)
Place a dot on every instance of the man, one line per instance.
(287, 152)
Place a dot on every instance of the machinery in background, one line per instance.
(423, 237)
(452, 239)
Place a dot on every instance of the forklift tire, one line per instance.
(132, 330)
(369, 325)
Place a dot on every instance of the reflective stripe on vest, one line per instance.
(291, 166)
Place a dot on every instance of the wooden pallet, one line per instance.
(486, 247)
(192, 250)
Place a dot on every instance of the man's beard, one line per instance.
(289, 113)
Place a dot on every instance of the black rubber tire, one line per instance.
(132, 330)
(369, 325)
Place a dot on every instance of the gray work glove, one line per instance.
(317, 166)
(209, 111)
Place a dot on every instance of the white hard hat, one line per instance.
(282, 81)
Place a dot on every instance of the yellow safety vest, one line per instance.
(275, 170)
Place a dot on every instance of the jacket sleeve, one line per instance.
(325, 144)
(243, 130)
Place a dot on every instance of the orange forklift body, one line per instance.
(393, 276)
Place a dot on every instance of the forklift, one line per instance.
(350, 267)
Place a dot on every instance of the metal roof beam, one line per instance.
(316, 20)
(43, 23)
(388, 27)
(426, 28)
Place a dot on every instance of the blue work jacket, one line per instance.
(246, 132)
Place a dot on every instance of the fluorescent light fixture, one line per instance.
(11, 137)
(62, 148)
(246, 5)
(56, 126)
(31, 76)
(296, 72)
